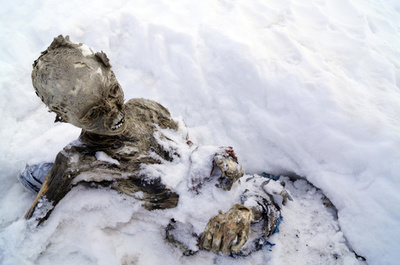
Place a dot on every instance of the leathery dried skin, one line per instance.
(231, 171)
(227, 232)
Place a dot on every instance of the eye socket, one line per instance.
(114, 91)
(92, 115)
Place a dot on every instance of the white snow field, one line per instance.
(298, 88)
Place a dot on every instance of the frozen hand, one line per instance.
(225, 229)
(231, 171)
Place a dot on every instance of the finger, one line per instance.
(241, 240)
(232, 165)
(217, 239)
(228, 237)
(211, 232)
(206, 238)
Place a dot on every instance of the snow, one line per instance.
(86, 50)
(101, 156)
(308, 89)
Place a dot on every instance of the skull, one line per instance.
(78, 85)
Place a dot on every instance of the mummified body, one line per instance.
(79, 86)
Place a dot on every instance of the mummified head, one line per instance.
(78, 85)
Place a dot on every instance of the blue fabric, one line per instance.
(276, 229)
(270, 176)
(33, 176)
(267, 243)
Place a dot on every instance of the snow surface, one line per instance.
(307, 88)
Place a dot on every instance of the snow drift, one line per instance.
(308, 89)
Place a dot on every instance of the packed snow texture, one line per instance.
(306, 88)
